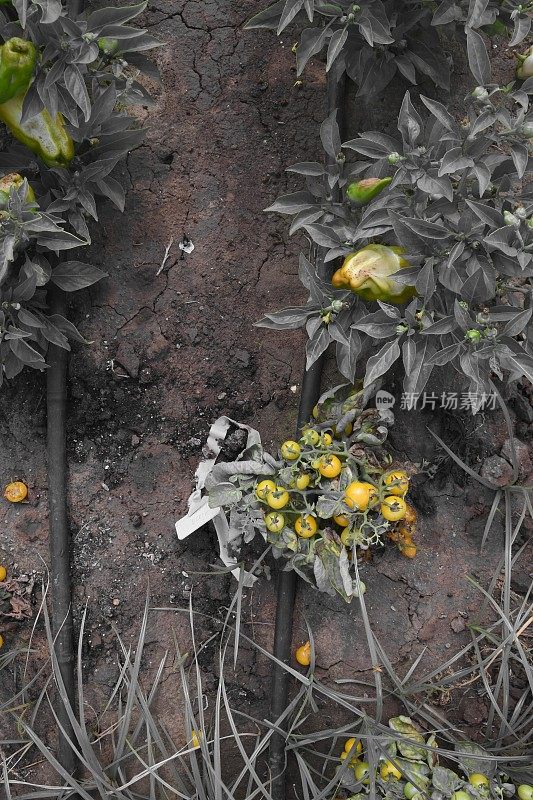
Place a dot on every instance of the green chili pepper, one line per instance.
(17, 62)
(362, 192)
(46, 137)
(10, 182)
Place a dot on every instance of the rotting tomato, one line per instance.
(16, 492)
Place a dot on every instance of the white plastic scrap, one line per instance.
(199, 511)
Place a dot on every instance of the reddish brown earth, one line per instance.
(172, 351)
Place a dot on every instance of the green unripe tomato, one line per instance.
(274, 521)
(361, 772)
(310, 436)
(478, 781)
(525, 791)
(527, 130)
(411, 791)
(461, 795)
(290, 450)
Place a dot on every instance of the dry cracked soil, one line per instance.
(174, 348)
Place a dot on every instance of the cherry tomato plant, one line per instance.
(325, 500)
(65, 111)
(408, 764)
(431, 244)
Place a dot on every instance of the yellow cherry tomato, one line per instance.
(306, 526)
(342, 520)
(263, 489)
(278, 498)
(1, 640)
(290, 450)
(359, 494)
(310, 436)
(315, 412)
(303, 654)
(349, 743)
(302, 481)
(388, 770)
(397, 482)
(393, 508)
(361, 772)
(3, 572)
(327, 439)
(353, 761)
(274, 521)
(330, 466)
(16, 492)
(195, 739)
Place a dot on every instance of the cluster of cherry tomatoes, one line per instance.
(410, 778)
(318, 467)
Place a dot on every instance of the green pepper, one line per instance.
(17, 62)
(46, 137)
(362, 192)
(10, 182)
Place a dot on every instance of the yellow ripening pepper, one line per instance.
(368, 273)
(46, 137)
(10, 182)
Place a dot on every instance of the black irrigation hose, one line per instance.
(59, 537)
(287, 581)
